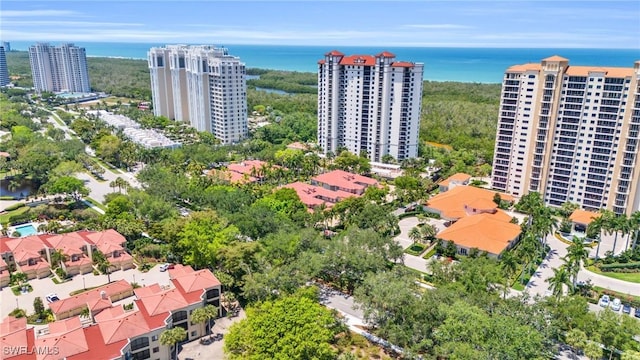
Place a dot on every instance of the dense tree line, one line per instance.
(288, 81)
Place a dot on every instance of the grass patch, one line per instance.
(17, 290)
(630, 277)
(517, 286)
(7, 197)
(108, 166)
(429, 253)
(4, 218)
(415, 249)
(96, 203)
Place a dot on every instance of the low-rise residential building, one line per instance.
(96, 300)
(29, 255)
(5, 276)
(344, 181)
(247, 171)
(388, 171)
(33, 255)
(476, 221)
(112, 332)
(453, 181)
(16, 340)
(314, 196)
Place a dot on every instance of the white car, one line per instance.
(616, 304)
(53, 297)
(604, 301)
(164, 267)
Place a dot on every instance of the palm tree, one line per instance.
(595, 229)
(204, 315)
(577, 254)
(635, 221)
(415, 235)
(619, 224)
(627, 227)
(171, 337)
(558, 280)
(57, 257)
(428, 231)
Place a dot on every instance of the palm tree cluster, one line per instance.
(616, 224)
(422, 234)
(567, 274)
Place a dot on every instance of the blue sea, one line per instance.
(483, 65)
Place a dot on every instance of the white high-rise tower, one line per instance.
(202, 85)
(59, 68)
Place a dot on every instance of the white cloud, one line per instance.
(37, 13)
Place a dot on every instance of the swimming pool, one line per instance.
(26, 230)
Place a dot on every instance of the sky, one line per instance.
(421, 23)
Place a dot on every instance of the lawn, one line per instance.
(96, 203)
(630, 277)
(108, 166)
(4, 218)
(415, 249)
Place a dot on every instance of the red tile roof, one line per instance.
(403, 64)
(345, 180)
(310, 195)
(106, 237)
(159, 301)
(82, 299)
(451, 204)
(321, 62)
(127, 326)
(485, 232)
(26, 248)
(358, 60)
(4, 248)
(386, 54)
(69, 244)
(457, 178)
(97, 347)
(583, 216)
(14, 337)
(63, 326)
(334, 53)
(192, 284)
(232, 176)
(555, 58)
(67, 343)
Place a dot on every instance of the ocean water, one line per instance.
(484, 65)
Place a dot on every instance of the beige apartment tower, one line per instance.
(570, 133)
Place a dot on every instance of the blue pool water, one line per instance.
(26, 230)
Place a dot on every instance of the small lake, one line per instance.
(22, 190)
(272, 91)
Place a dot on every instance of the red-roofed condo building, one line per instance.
(571, 133)
(369, 104)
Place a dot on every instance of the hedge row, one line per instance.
(15, 206)
(616, 266)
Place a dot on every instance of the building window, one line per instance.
(139, 343)
(156, 349)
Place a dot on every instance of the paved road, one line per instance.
(538, 286)
(406, 224)
(97, 189)
(42, 287)
(215, 350)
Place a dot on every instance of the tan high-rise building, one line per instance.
(570, 133)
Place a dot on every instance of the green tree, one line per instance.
(204, 315)
(57, 257)
(293, 327)
(171, 337)
(577, 339)
(38, 306)
(593, 351)
(577, 254)
(69, 186)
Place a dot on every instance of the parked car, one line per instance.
(604, 301)
(616, 304)
(637, 313)
(164, 267)
(53, 297)
(626, 308)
